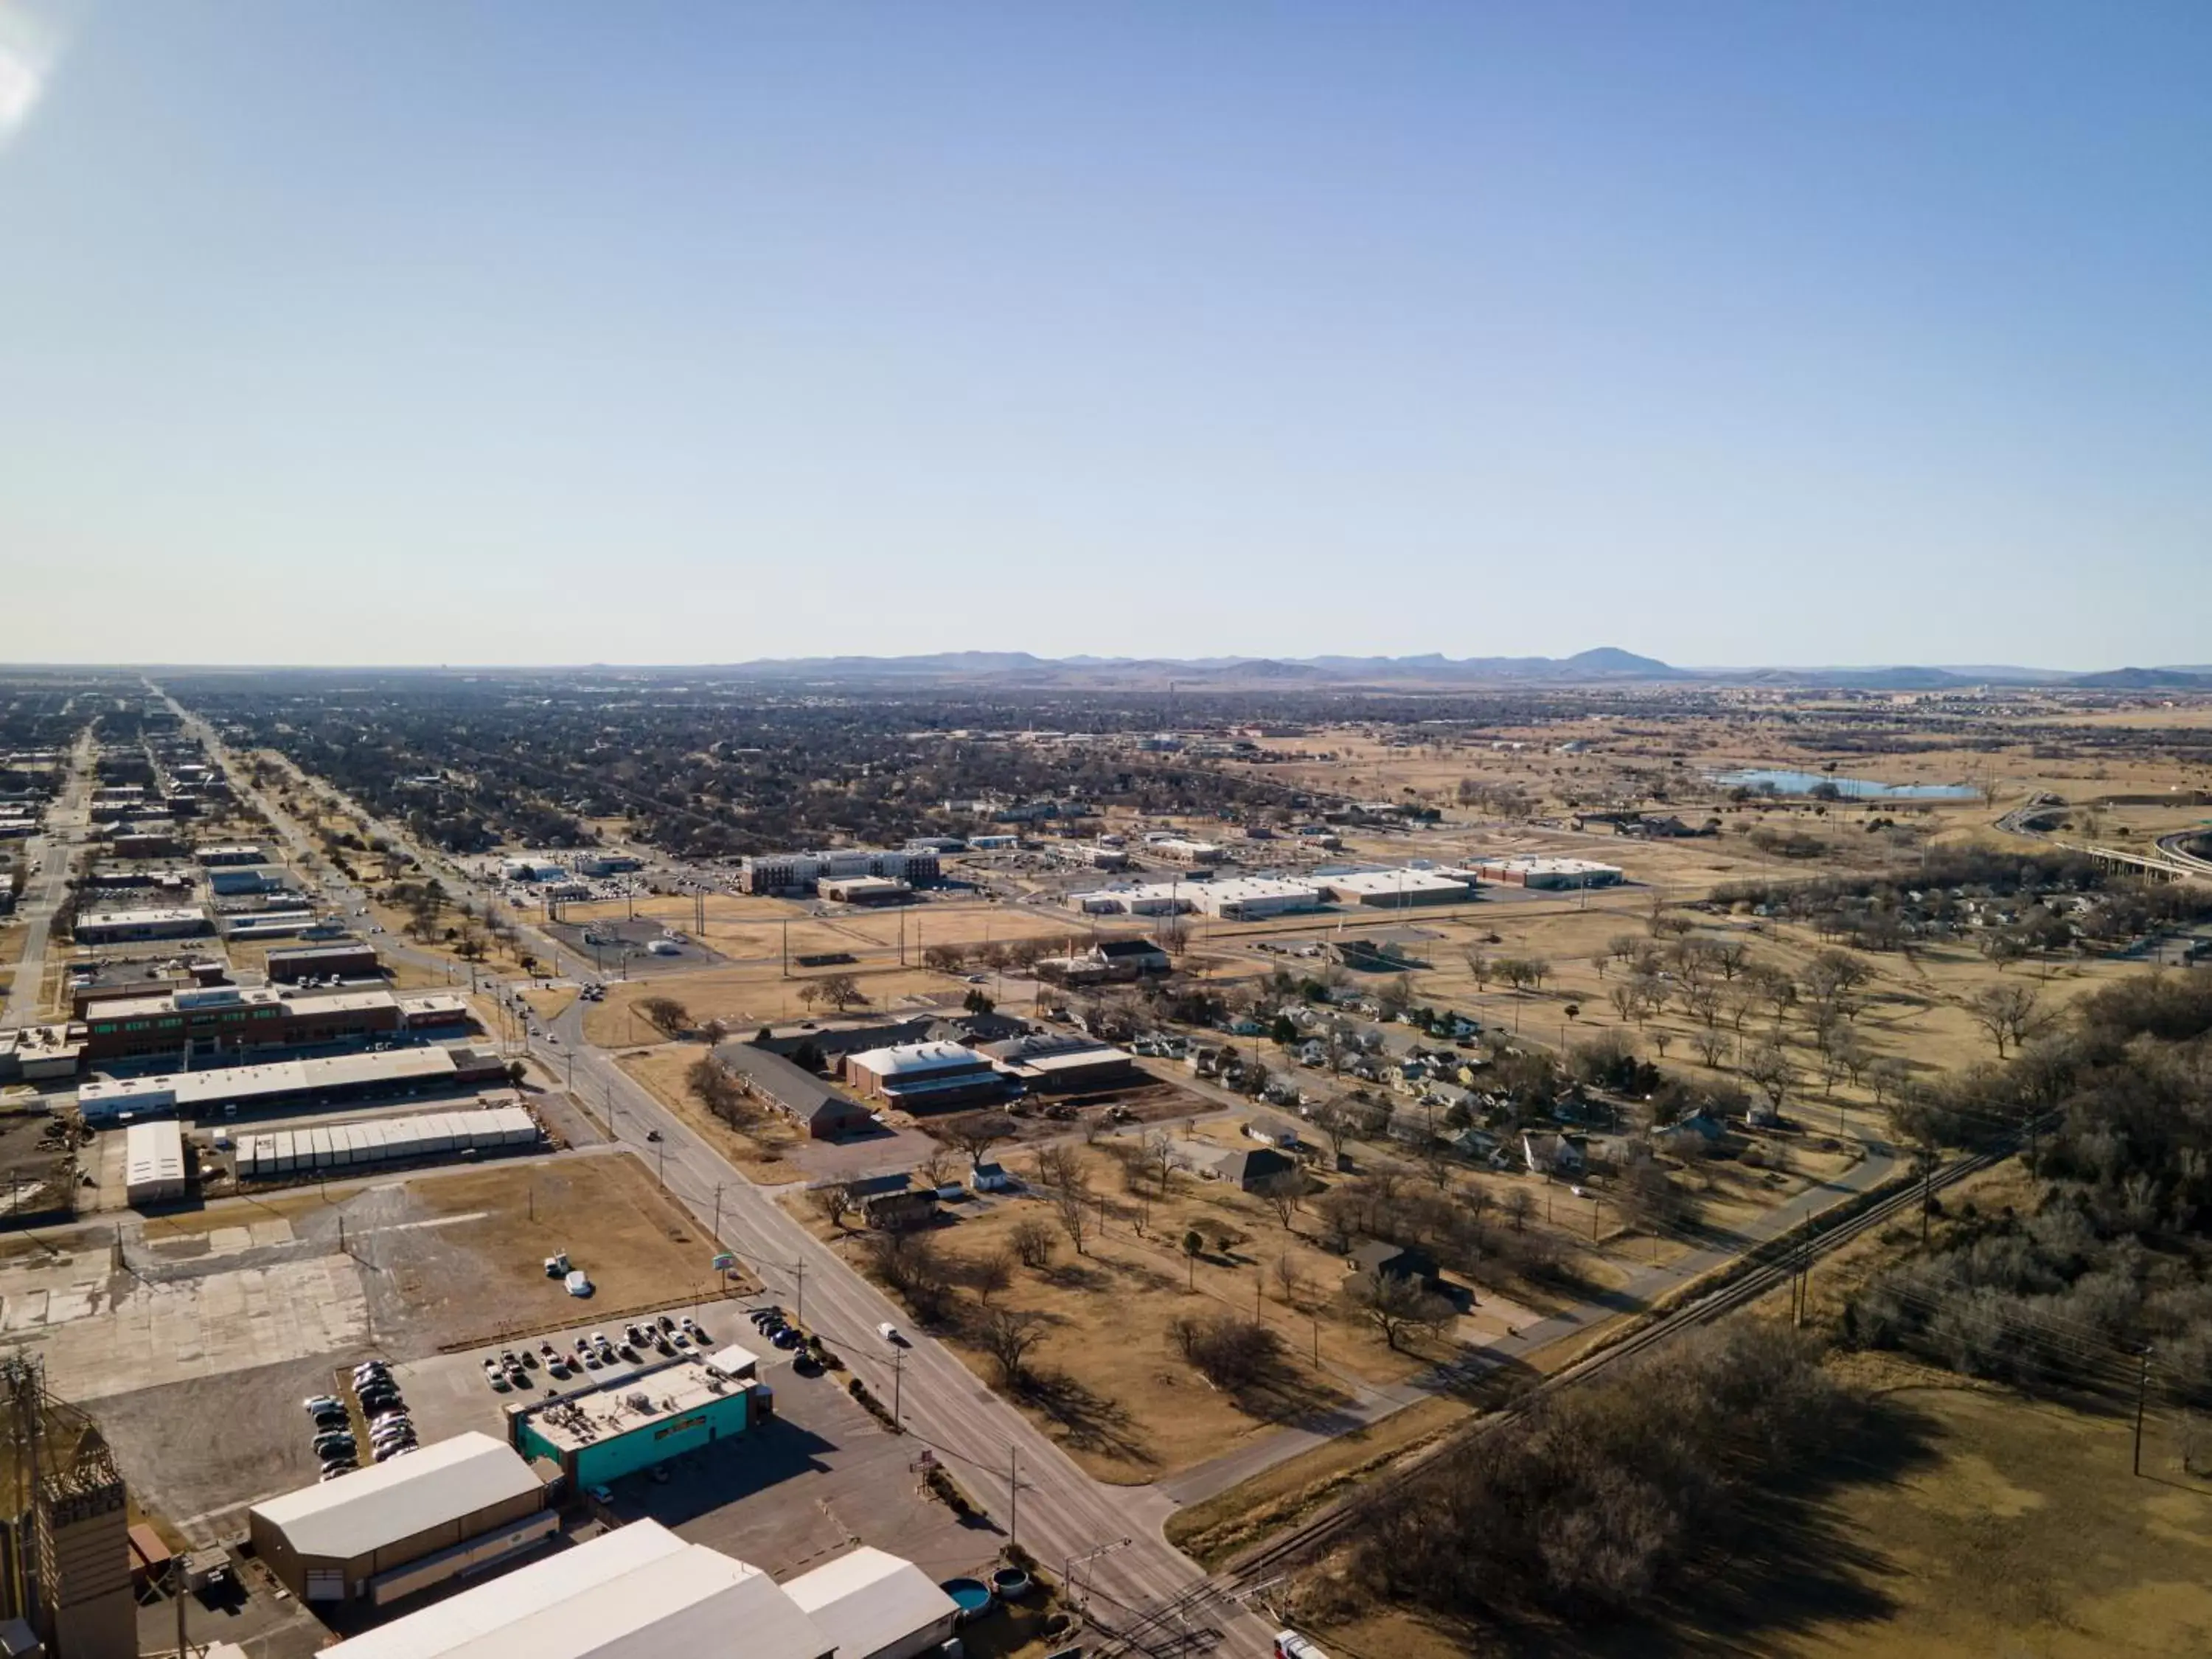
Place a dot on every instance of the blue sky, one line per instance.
(556, 332)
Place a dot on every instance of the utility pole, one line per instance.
(718, 1213)
(1013, 1498)
(798, 1297)
(2143, 1392)
(898, 1383)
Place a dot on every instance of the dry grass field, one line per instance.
(746, 998)
(746, 929)
(1116, 1393)
(758, 1151)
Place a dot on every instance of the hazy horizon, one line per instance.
(1102, 658)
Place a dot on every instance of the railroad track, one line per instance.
(1271, 1559)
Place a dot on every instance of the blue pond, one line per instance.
(1788, 782)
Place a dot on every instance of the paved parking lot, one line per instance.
(819, 1476)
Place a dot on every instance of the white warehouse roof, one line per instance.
(915, 1057)
(868, 1601)
(189, 1093)
(382, 1141)
(1387, 882)
(372, 1507)
(154, 1157)
(638, 1592)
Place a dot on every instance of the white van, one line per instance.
(1289, 1645)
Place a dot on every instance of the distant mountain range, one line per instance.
(1608, 665)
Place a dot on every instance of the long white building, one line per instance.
(642, 1591)
(1533, 872)
(801, 872)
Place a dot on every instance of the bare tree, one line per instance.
(832, 1200)
(1397, 1306)
(1228, 1352)
(665, 1014)
(1770, 1068)
(936, 1168)
(1283, 1192)
(1157, 1157)
(1060, 1169)
(1008, 1335)
(1290, 1282)
(714, 1087)
(1072, 1205)
(1034, 1243)
(1336, 1123)
(991, 1274)
(2008, 1014)
(841, 991)
(977, 1133)
(1712, 1046)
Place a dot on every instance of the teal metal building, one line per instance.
(603, 1434)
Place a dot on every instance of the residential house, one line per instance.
(1480, 1145)
(1699, 1131)
(1274, 1131)
(896, 1212)
(989, 1176)
(1550, 1154)
(1246, 1169)
(1388, 1260)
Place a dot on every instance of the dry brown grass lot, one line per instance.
(1127, 1407)
(746, 998)
(758, 1151)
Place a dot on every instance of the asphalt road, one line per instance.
(66, 825)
